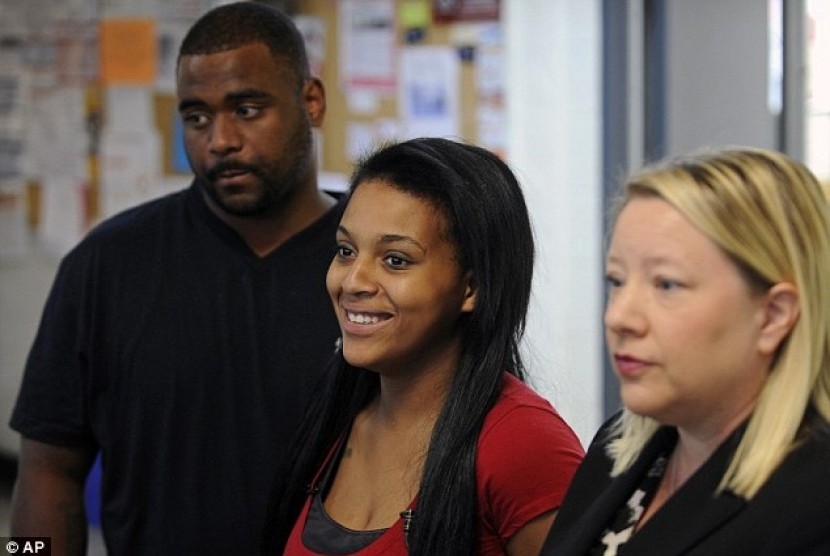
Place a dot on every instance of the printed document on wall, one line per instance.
(428, 92)
(367, 44)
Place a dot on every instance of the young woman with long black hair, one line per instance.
(425, 440)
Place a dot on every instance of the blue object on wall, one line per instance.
(178, 158)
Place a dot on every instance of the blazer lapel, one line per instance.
(694, 511)
(613, 495)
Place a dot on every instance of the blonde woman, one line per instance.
(718, 323)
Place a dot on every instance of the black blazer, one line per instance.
(789, 516)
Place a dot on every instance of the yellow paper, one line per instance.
(414, 14)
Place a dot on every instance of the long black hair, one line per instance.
(488, 225)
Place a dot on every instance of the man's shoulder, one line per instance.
(132, 234)
(317, 238)
(144, 214)
(137, 222)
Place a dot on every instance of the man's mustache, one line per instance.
(229, 166)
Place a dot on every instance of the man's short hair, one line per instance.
(241, 23)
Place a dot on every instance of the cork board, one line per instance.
(334, 132)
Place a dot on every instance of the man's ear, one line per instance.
(470, 293)
(781, 309)
(314, 99)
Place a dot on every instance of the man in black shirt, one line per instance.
(183, 337)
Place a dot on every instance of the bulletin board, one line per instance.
(360, 116)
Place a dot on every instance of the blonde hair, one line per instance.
(769, 214)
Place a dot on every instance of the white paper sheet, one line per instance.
(367, 44)
(428, 93)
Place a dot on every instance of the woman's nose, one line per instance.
(360, 277)
(624, 311)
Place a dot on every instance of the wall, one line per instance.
(24, 284)
(554, 138)
(380, 114)
(717, 75)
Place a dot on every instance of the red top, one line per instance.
(526, 458)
